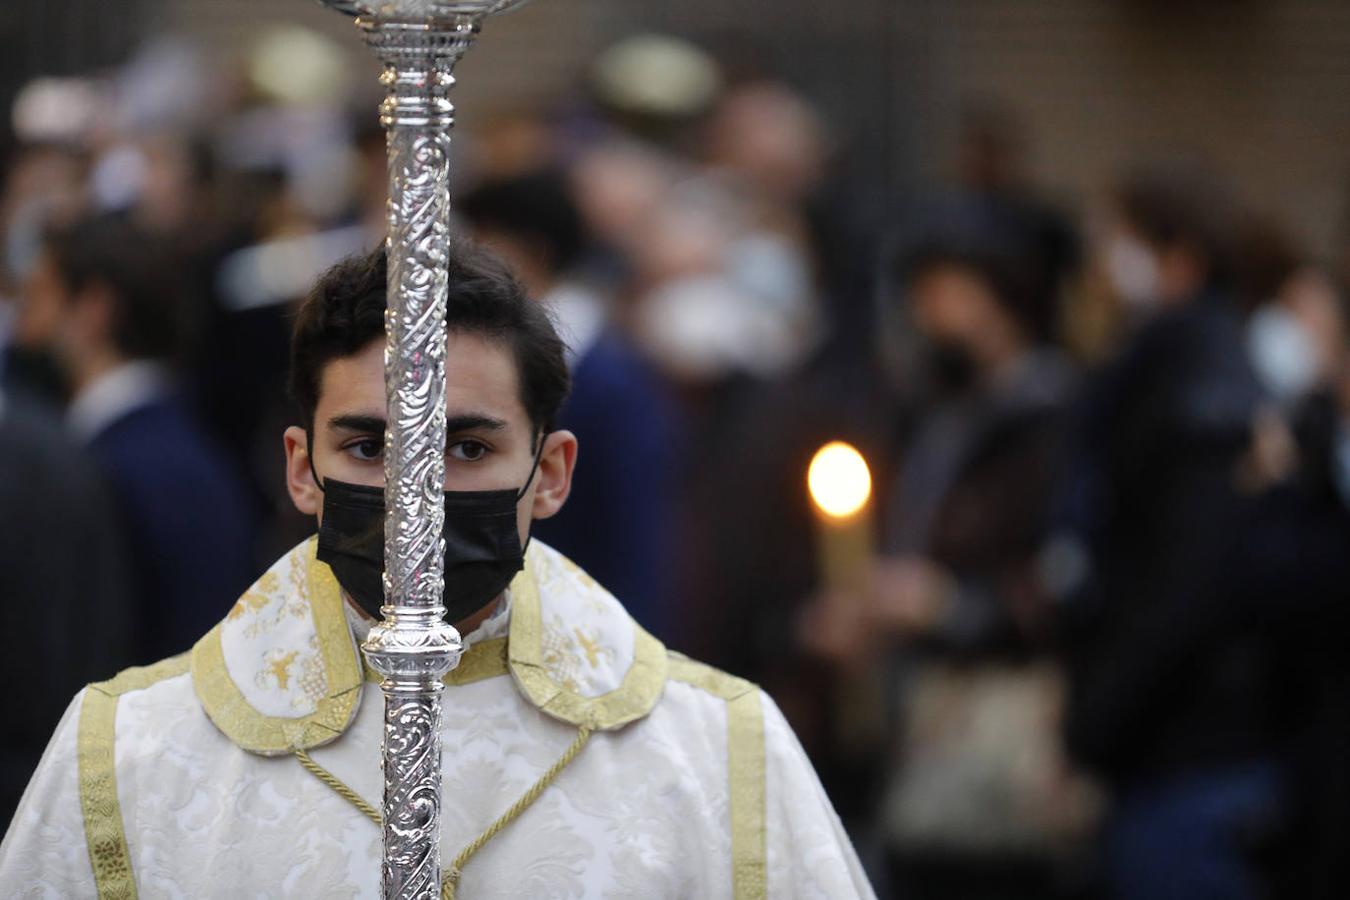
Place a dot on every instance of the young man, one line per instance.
(250, 766)
(104, 300)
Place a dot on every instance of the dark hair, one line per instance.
(992, 247)
(1265, 257)
(139, 273)
(537, 207)
(345, 312)
(1183, 202)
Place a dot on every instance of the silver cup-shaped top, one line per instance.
(424, 9)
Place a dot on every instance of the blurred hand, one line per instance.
(911, 595)
(1272, 456)
(834, 625)
(902, 598)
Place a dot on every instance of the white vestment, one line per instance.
(182, 779)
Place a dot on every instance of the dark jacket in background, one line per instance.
(187, 518)
(974, 495)
(1296, 586)
(1168, 673)
(64, 582)
(618, 523)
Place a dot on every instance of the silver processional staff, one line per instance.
(419, 42)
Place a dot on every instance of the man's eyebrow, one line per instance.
(366, 424)
(473, 422)
(369, 424)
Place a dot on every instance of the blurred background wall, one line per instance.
(1263, 85)
(63, 38)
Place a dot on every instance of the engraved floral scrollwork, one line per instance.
(412, 797)
(419, 42)
(413, 647)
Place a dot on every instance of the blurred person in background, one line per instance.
(724, 284)
(293, 188)
(618, 185)
(765, 134)
(991, 169)
(1174, 686)
(52, 498)
(53, 505)
(44, 182)
(1297, 565)
(767, 143)
(619, 521)
(976, 800)
(703, 219)
(728, 246)
(103, 298)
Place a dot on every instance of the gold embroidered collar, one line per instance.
(283, 673)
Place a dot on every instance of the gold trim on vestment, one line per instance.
(745, 765)
(275, 735)
(745, 771)
(521, 653)
(704, 677)
(95, 750)
(632, 699)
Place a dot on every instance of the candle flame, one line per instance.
(839, 480)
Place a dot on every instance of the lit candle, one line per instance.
(841, 488)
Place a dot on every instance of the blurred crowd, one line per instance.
(1096, 650)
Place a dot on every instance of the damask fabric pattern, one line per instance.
(645, 810)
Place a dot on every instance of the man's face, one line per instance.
(45, 308)
(952, 305)
(490, 442)
(76, 327)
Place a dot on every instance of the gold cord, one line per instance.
(451, 880)
(336, 784)
(450, 876)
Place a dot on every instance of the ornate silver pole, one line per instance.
(419, 42)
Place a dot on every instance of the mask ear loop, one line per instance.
(309, 455)
(529, 481)
(538, 456)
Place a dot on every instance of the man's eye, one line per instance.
(367, 450)
(468, 450)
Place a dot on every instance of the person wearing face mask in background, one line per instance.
(1174, 679)
(954, 614)
(1297, 554)
(617, 522)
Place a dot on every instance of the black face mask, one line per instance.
(482, 544)
(35, 371)
(951, 368)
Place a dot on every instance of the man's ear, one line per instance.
(555, 474)
(305, 494)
